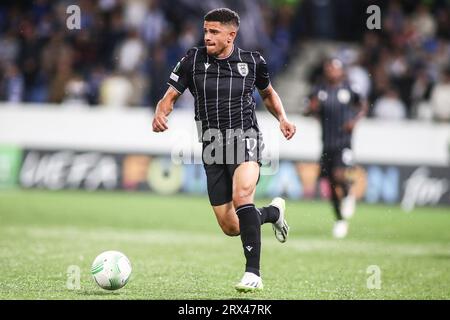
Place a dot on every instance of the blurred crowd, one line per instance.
(410, 63)
(403, 68)
(125, 49)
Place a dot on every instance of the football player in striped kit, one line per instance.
(338, 107)
(222, 79)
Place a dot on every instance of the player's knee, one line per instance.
(243, 195)
(339, 177)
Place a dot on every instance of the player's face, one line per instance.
(334, 70)
(218, 37)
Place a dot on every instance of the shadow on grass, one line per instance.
(102, 293)
(441, 256)
(245, 296)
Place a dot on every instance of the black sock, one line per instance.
(269, 214)
(336, 202)
(345, 188)
(250, 226)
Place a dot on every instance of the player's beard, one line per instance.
(216, 50)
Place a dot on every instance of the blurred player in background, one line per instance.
(338, 108)
(222, 78)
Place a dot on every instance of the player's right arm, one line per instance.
(163, 109)
(178, 82)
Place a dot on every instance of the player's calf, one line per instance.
(230, 229)
(227, 218)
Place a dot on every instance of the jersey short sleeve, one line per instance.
(356, 96)
(180, 75)
(313, 93)
(262, 80)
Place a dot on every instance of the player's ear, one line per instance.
(232, 35)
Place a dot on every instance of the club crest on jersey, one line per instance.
(322, 95)
(343, 96)
(243, 68)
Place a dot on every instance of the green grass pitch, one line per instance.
(178, 251)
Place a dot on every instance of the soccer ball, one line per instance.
(111, 270)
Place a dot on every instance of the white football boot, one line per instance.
(340, 229)
(348, 205)
(280, 227)
(249, 282)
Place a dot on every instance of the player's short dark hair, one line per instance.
(223, 15)
(335, 62)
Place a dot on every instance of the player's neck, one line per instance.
(334, 82)
(226, 53)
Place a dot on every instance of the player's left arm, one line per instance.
(271, 98)
(363, 106)
(273, 103)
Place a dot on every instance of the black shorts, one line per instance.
(219, 173)
(334, 159)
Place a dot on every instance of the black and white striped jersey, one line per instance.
(222, 88)
(337, 105)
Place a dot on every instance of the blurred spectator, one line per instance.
(135, 12)
(116, 91)
(107, 5)
(188, 37)
(76, 92)
(323, 18)
(64, 73)
(420, 95)
(443, 20)
(94, 82)
(423, 22)
(394, 18)
(252, 25)
(358, 75)
(153, 24)
(158, 66)
(440, 98)
(389, 106)
(131, 53)
(12, 84)
(9, 47)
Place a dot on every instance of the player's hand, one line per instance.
(160, 123)
(287, 128)
(349, 126)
